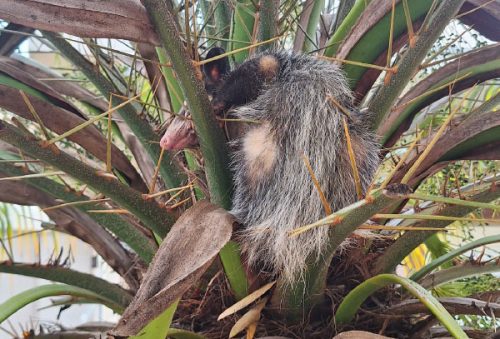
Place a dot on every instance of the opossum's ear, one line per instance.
(215, 70)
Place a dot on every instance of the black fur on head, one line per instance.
(243, 84)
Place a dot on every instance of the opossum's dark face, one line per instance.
(180, 133)
(241, 86)
(245, 83)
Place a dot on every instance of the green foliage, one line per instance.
(453, 254)
(105, 67)
(242, 28)
(469, 286)
(159, 327)
(20, 300)
(355, 298)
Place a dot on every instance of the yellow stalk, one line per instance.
(35, 115)
(180, 203)
(429, 217)
(402, 228)
(391, 33)
(326, 205)
(221, 56)
(115, 211)
(475, 9)
(177, 194)
(29, 176)
(75, 203)
(157, 194)
(352, 158)
(427, 62)
(361, 64)
(452, 83)
(434, 140)
(338, 105)
(155, 174)
(401, 161)
(108, 144)
(409, 25)
(91, 121)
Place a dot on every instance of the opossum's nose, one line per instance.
(167, 142)
(179, 135)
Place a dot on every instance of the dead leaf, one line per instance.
(248, 319)
(60, 120)
(426, 88)
(184, 255)
(246, 301)
(359, 335)
(124, 19)
(60, 85)
(251, 331)
(77, 223)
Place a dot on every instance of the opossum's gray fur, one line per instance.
(303, 122)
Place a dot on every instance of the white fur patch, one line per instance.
(260, 151)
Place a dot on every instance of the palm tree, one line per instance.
(89, 150)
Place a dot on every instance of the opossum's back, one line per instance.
(274, 192)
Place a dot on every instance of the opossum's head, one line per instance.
(245, 83)
(228, 90)
(180, 133)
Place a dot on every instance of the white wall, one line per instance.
(26, 249)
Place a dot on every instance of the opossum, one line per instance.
(180, 132)
(296, 105)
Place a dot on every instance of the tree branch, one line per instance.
(383, 100)
(149, 212)
(141, 128)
